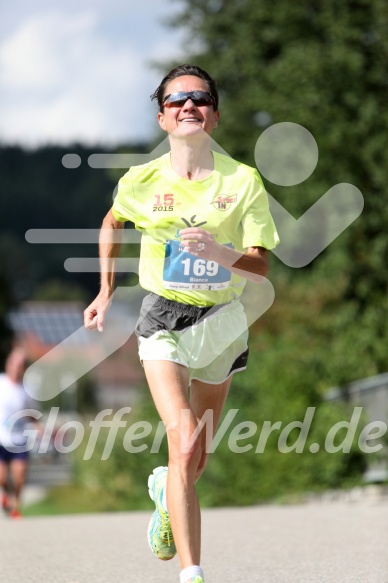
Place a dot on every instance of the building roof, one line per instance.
(49, 322)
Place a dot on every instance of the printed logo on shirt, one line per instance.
(163, 202)
(223, 202)
(192, 222)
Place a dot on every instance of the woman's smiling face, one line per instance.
(189, 118)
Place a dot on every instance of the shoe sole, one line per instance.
(150, 545)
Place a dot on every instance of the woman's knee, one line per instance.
(185, 449)
(3, 475)
(202, 465)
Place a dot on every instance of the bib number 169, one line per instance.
(199, 267)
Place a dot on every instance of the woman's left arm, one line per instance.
(253, 264)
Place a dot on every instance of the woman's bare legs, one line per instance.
(168, 384)
(4, 478)
(18, 471)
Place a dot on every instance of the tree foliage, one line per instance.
(321, 65)
(39, 192)
(5, 332)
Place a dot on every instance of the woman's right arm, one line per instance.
(109, 249)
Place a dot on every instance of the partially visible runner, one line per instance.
(13, 460)
(205, 227)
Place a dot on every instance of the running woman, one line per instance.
(14, 453)
(205, 227)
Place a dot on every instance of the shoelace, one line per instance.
(165, 529)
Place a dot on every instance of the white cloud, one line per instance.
(34, 57)
(76, 76)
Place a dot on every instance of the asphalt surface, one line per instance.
(312, 543)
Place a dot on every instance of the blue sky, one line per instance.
(80, 70)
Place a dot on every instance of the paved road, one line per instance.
(312, 543)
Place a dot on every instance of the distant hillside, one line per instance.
(39, 192)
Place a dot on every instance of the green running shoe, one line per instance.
(159, 531)
(196, 580)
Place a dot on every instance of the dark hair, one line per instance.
(179, 72)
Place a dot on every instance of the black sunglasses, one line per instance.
(197, 97)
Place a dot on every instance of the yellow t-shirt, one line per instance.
(231, 203)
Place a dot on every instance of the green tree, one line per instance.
(40, 193)
(321, 65)
(5, 304)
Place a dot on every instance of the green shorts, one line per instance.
(211, 342)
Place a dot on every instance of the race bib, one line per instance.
(182, 270)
